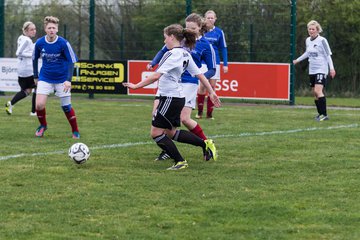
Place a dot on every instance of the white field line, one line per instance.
(123, 145)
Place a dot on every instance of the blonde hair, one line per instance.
(51, 19)
(26, 25)
(316, 24)
(209, 12)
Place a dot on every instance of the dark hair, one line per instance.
(181, 33)
(199, 20)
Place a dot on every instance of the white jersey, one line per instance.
(172, 65)
(319, 54)
(25, 48)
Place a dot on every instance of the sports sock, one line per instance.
(33, 102)
(166, 144)
(18, 96)
(72, 120)
(322, 106)
(184, 136)
(210, 108)
(197, 130)
(200, 103)
(317, 105)
(41, 114)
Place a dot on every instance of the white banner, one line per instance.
(8, 75)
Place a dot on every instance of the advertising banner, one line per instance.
(268, 81)
(8, 75)
(99, 77)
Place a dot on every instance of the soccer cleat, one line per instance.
(322, 118)
(76, 135)
(8, 108)
(40, 131)
(210, 117)
(210, 150)
(198, 116)
(179, 165)
(33, 114)
(163, 156)
(317, 117)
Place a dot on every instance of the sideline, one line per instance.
(123, 145)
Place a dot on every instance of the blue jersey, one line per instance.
(58, 60)
(217, 39)
(202, 53)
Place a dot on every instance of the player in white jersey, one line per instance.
(166, 118)
(25, 48)
(319, 54)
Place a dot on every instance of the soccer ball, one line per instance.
(79, 153)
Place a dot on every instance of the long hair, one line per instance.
(199, 20)
(181, 34)
(26, 25)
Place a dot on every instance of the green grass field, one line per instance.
(280, 175)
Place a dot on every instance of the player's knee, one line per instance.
(66, 108)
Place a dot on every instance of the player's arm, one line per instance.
(71, 60)
(150, 79)
(35, 58)
(224, 52)
(20, 51)
(209, 59)
(302, 57)
(157, 58)
(328, 57)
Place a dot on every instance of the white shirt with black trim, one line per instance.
(319, 54)
(172, 65)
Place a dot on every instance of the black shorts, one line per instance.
(319, 78)
(167, 114)
(26, 82)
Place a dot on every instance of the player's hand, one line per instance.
(225, 69)
(67, 86)
(36, 81)
(295, 62)
(129, 85)
(215, 99)
(332, 73)
(149, 67)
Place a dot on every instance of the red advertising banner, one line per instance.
(268, 81)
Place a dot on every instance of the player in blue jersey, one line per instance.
(58, 60)
(166, 118)
(217, 39)
(202, 53)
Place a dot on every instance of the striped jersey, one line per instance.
(172, 65)
(217, 39)
(58, 59)
(24, 51)
(319, 54)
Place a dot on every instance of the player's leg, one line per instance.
(43, 90)
(200, 100)
(23, 93)
(65, 101)
(165, 119)
(320, 83)
(190, 91)
(210, 104)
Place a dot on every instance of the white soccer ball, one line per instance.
(79, 153)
